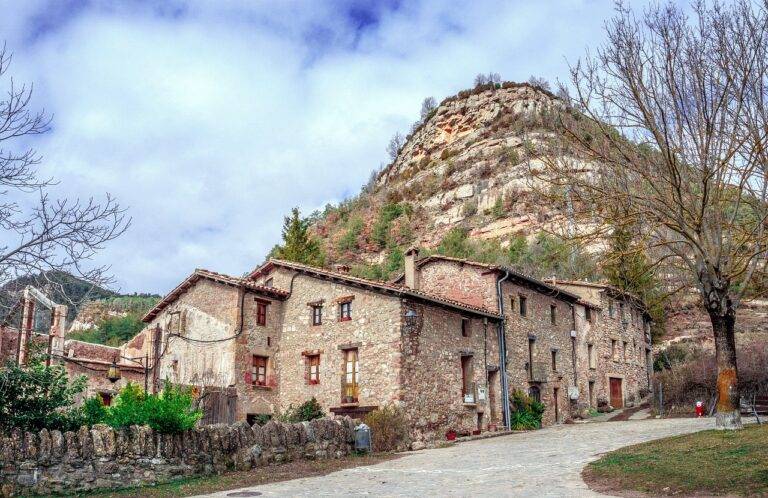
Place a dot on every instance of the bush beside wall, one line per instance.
(49, 462)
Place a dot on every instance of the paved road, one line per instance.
(541, 463)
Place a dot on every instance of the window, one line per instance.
(312, 361)
(268, 283)
(553, 313)
(531, 344)
(591, 393)
(626, 346)
(588, 314)
(535, 393)
(511, 303)
(345, 311)
(351, 376)
(554, 360)
(523, 306)
(261, 313)
(621, 311)
(465, 328)
(317, 315)
(259, 370)
(591, 356)
(467, 386)
(614, 348)
(610, 308)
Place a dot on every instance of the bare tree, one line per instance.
(540, 82)
(395, 144)
(668, 122)
(486, 79)
(54, 235)
(427, 106)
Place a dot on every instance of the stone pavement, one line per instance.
(541, 463)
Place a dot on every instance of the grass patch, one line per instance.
(709, 462)
(191, 486)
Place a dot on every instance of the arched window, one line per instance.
(535, 393)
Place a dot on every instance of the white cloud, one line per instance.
(211, 124)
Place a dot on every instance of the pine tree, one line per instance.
(298, 244)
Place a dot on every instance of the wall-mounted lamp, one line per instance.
(113, 374)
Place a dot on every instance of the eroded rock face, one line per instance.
(101, 457)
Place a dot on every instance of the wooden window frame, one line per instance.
(259, 363)
(466, 327)
(261, 312)
(317, 314)
(523, 305)
(345, 311)
(312, 362)
(350, 376)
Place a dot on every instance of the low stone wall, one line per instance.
(101, 457)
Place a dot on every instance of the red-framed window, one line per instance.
(345, 311)
(313, 368)
(259, 370)
(261, 313)
(317, 315)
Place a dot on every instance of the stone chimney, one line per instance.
(411, 272)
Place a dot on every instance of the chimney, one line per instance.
(341, 268)
(411, 272)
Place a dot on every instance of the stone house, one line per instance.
(614, 350)
(564, 345)
(448, 341)
(253, 347)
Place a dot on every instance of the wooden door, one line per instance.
(617, 400)
(556, 395)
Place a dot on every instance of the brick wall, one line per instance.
(466, 283)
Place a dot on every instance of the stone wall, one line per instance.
(547, 338)
(433, 399)
(374, 329)
(101, 457)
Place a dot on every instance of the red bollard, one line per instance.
(699, 409)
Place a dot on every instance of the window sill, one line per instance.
(345, 319)
(258, 387)
(354, 403)
(470, 405)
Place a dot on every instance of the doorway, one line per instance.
(555, 395)
(617, 399)
(493, 378)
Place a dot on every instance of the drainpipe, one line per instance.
(573, 345)
(503, 352)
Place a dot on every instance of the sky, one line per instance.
(210, 120)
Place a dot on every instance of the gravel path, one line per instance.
(541, 463)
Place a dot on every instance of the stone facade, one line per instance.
(613, 344)
(101, 457)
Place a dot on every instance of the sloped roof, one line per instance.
(215, 277)
(520, 277)
(611, 290)
(374, 285)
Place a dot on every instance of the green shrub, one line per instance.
(498, 207)
(93, 411)
(169, 412)
(389, 428)
(112, 331)
(309, 410)
(39, 397)
(348, 241)
(469, 208)
(527, 412)
(388, 213)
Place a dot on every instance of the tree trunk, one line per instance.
(727, 415)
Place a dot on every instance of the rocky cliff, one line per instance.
(467, 165)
